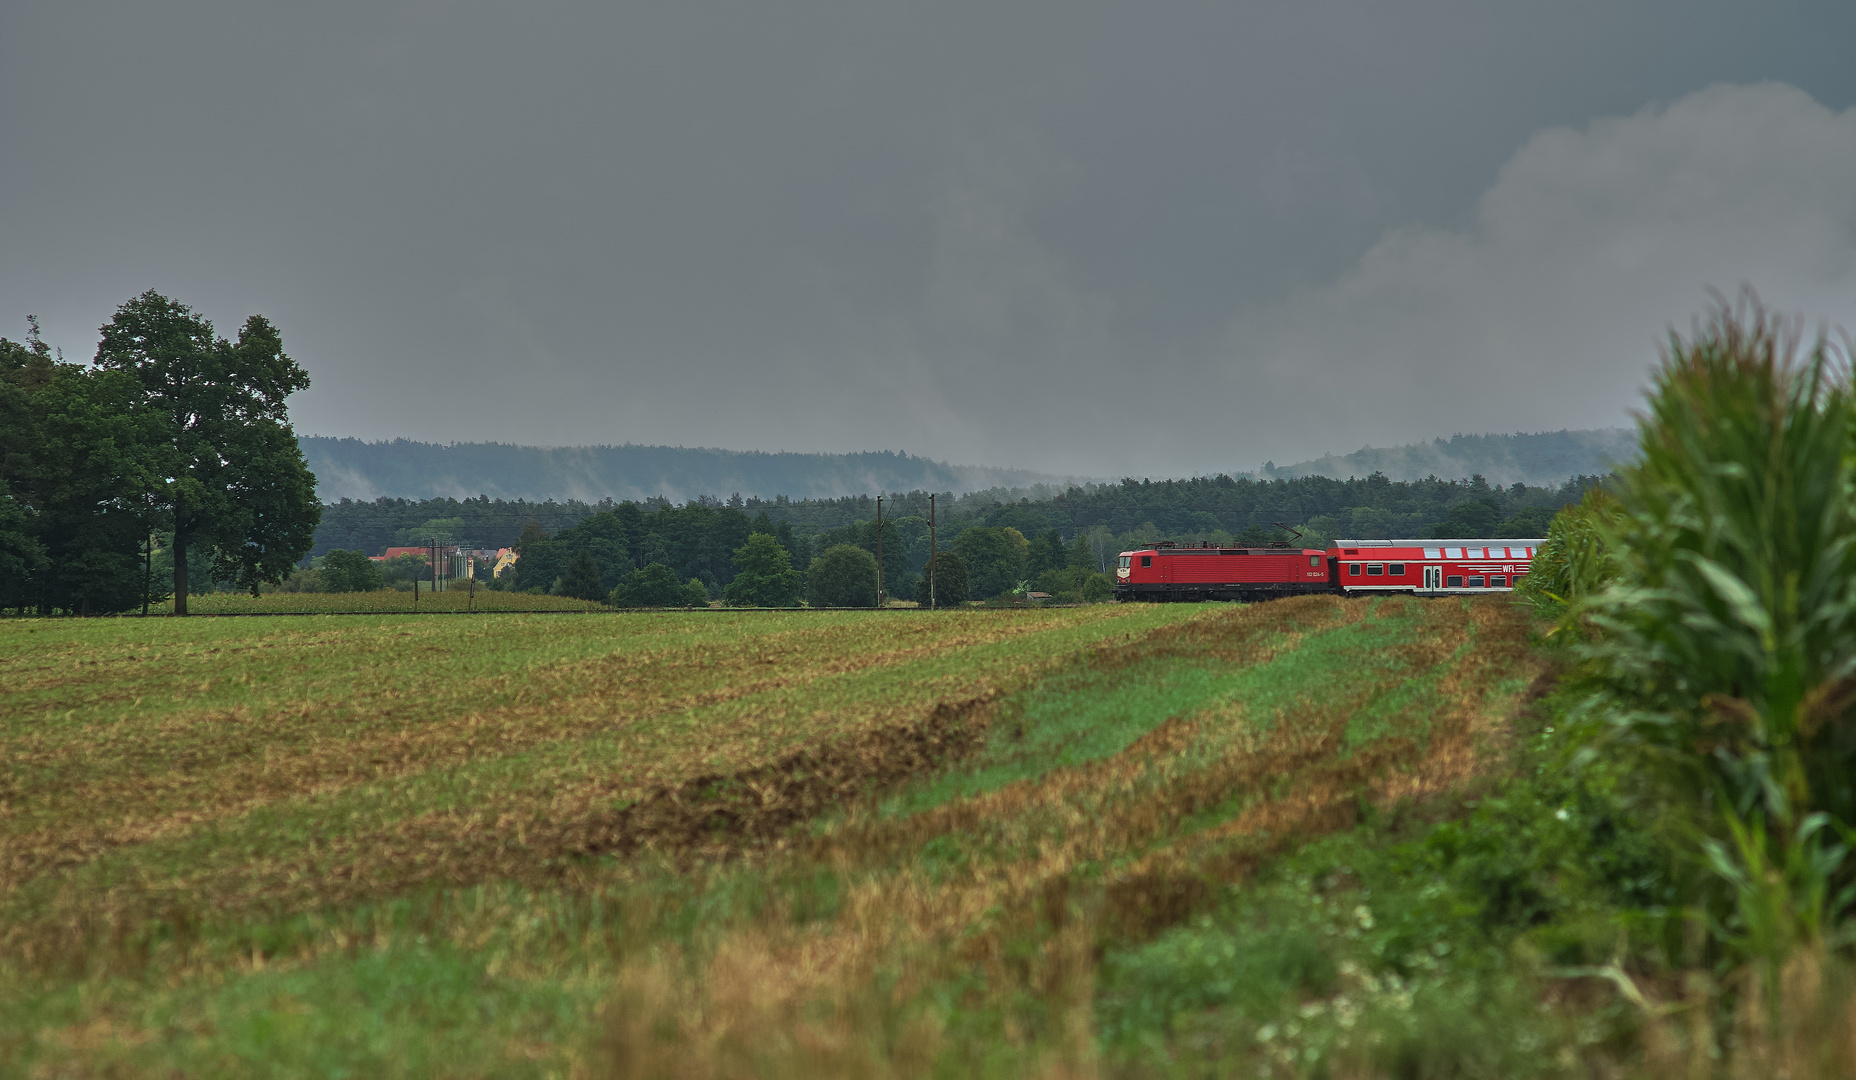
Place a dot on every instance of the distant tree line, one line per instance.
(674, 555)
(168, 464)
(172, 441)
(1001, 545)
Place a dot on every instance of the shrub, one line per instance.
(995, 558)
(350, 571)
(581, 581)
(950, 581)
(401, 571)
(764, 576)
(844, 576)
(1075, 584)
(654, 586)
(301, 580)
(695, 594)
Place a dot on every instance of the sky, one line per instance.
(1099, 239)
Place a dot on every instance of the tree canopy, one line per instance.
(235, 487)
(764, 575)
(350, 571)
(844, 576)
(581, 581)
(995, 559)
(950, 581)
(80, 457)
(655, 585)
(698, 539)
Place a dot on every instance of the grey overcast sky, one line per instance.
(1088, 238)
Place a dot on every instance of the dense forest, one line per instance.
(1083, 525)
(402, 468)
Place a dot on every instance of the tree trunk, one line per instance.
(180, 572)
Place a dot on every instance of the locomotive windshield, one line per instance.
(1125, 560)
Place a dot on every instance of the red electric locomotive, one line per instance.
(1167, 571)
(1422, 567)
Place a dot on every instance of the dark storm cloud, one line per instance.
(1085, 239)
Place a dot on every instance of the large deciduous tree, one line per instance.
(764, 575)
(844, 576)
(581, 581)
(995, 558)
(236, 487)
(949, 584)
(78, 456)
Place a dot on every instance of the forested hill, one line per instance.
(1112, 516)
(1541, 458)
(403, 469)
(365, 471)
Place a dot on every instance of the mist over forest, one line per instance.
(403, 468)
(406, 469)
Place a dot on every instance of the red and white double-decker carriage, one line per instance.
(1430, 567)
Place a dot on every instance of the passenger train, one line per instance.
(1168, 571)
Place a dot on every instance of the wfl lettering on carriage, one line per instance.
(1430, 567)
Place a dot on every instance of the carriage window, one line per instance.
(1375, 569)
(1147, 560)
(1433, 553)
(1353, 569)
(1498, 581)
(1454, 581)
(1314, 561)
(1498, 553)
(1397, 569)
(1453, 553)
(1475, 581)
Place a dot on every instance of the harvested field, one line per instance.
(688, 844)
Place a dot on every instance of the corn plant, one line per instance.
(1726, 649)
(1574, 564)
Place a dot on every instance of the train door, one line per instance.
(1433, 577)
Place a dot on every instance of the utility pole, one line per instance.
(148, 574)
(931, 551)
(879, 551)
